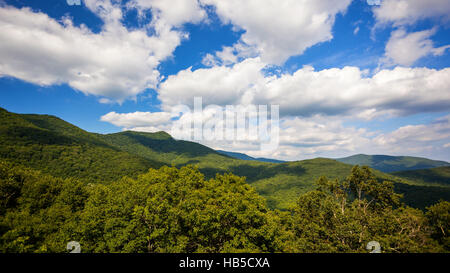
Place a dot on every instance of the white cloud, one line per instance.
(137, 119)
(315, 106)
(302, 138)
(230, 55)
(217, 85)
(173, 12)
(306, 92)
(115, 63)
(319, 136)
(209, 60)
(406, 48)
(277, 30)
(402, 12)
(418, 139)
(227, 55)
(349, 90)
(299, 137)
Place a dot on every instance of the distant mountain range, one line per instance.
(391, 164)
(384, 163)
(53, 146)
(247, 157)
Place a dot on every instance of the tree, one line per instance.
(177, 210)
(344, 216)
(369, 191)
(39, 212)
(438, 217)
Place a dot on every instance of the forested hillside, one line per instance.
(60, 149)
(435, 176)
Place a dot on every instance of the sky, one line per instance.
(349, 77)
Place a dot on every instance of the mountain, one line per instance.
(55, 147)
(435, 176)
(247, 157)
(391, 164)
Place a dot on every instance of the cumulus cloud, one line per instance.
(299, 137)
(306, 92)
(137, 119)
(302, 138)
(220, 85)
(406, 48)
(402, 12)
(315, 104)
(418, 139)
(314, 107)
(277, 30)
(115, 63)
(173, 12)
(231, 54)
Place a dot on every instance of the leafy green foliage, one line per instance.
(177, 210)
(345, 216)
(166, 210)
(60, 149)
(439, 219)
(422, 196)
(39, 210)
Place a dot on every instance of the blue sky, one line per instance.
(349, 77)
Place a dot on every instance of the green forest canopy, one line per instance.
(178, 210)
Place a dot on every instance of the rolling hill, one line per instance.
(391, 164)
(58, 148)
(55, 147)
(435, 176)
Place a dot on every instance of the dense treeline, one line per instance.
(178, 210)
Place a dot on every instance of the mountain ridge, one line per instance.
(247, 157)
(389, 164)
(53, 146)
(437, 176)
